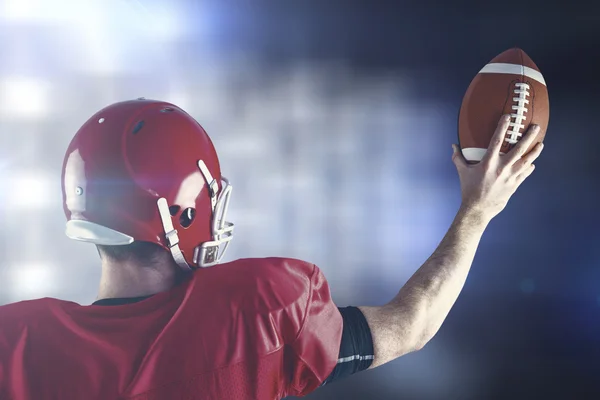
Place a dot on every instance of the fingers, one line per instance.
(525, 174)
(524, 167)
(498, 138)
(457, 158)
(521, 147)
(528, 159)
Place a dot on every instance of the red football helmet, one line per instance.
(145, 170)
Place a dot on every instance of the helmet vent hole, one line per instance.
(138, 127)
(187, 217)
(173, 210)
(167, 109)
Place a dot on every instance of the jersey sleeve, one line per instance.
(356, 348)
(4, 352)
(2, 369)
(10, 344)
(315, 349)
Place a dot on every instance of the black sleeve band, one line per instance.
(356, 348)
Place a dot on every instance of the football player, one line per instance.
(142, 181)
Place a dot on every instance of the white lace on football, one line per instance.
(515, 130)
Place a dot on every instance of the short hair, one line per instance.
(143, 253)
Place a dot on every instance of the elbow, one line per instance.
(422, 331)
(413, 338)
(421, 341)
(411, 344)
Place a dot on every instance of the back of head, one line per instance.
(144, 175)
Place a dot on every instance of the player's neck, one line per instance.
(127, 280)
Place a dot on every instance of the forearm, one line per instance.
(414, 316)
(431, 292)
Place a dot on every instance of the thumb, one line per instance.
(457, 157)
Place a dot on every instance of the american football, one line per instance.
(509, 84)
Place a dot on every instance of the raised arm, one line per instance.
(415, 315)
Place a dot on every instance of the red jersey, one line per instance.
(249, 329)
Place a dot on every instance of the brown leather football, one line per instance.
(509, 84)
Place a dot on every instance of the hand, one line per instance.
(488, 185)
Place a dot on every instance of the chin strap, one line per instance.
(171, 234)
(213, 185)
(206, 254)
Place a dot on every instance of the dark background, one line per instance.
(535, 343)
(528, 321)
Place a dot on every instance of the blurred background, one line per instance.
(333, 120)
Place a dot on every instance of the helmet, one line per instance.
(145, 170)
